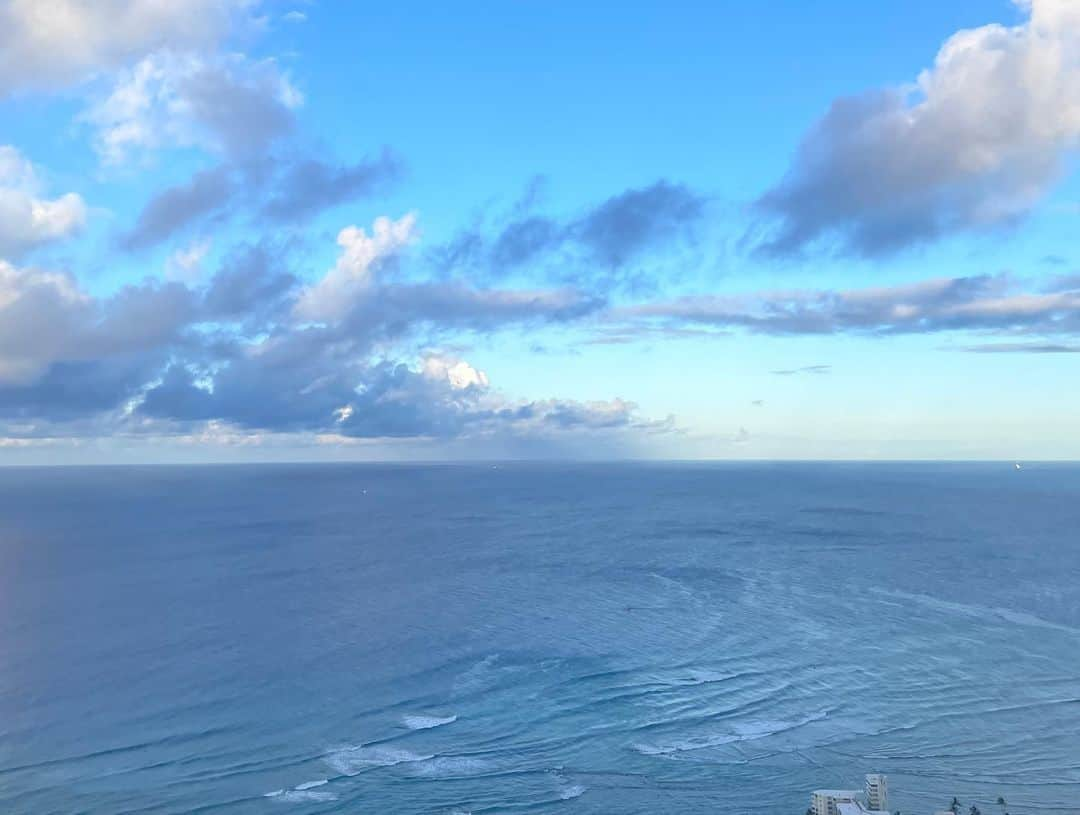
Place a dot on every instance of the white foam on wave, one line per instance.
(740, 731)
(355, 760)
(421, 721)
(301, 794)
(571, 791)
(451, 767)
(307, 785)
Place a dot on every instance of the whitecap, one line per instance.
(451, 767)
(307, 785)
(298, 795)
(355, 760)
(571, 791)
(422, 721)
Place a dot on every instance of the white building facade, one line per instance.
(826, 802)
(877, 791)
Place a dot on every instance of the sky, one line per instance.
(263, 230)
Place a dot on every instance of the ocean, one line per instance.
(548, 638)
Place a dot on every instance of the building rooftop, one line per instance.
(856, 808)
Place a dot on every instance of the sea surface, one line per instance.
(526, 638)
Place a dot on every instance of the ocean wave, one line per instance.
(307, 785)
(451, 767)
(301, 794)
(357, 759)
(421, 721)
(571, 791)
(990, 614)
(740, 732)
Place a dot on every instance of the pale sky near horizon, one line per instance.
(239, 230)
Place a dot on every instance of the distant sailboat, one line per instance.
(1017, 465)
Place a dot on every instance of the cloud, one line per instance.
(981, 303)
(808, 369)
(49, 45)
(1022, 348)
(252, 284)
(65, 355)
(309, 185)
(280, 190)
(230, 105)
(626, 224)
(27, 219)
(595, 248)
(362, 258)
(186, 264)
(974, 143)
(238, 353)
(173, 209)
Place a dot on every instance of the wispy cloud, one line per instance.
(808, 369)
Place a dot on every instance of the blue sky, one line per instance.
(258, 230)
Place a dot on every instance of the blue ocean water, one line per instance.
(527, 638)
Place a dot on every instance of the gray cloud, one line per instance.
(628, 223)
(170, 358)
(281, 190)
(974, 144)
(249, 282)
(174, 209)
(591, 250)
(986, 302)
(301, 385)
(245, 112)
(1022, 348)
(307, 186)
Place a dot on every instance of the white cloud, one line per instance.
(976, 141)
(175, 100)
(52, 43)
(362, 256)
(185, 264)
(457, 372)
(26, 218)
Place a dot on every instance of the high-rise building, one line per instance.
(877, 791)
